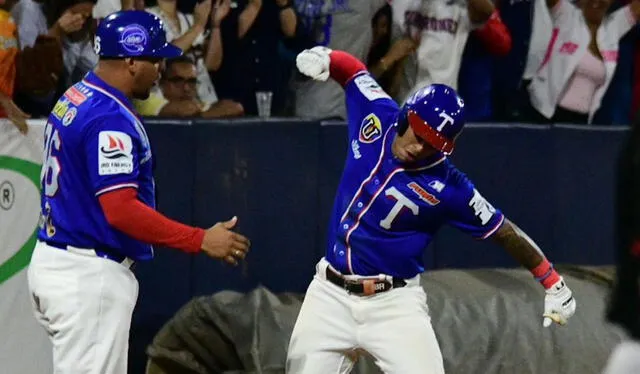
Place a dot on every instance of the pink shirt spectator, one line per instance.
(589, 75)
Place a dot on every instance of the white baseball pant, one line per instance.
(394, 327)
(85, 304)
(625, 359)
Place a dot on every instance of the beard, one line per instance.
(142, 94)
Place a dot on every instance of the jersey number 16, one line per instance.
(51, 166)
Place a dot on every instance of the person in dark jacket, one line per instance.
(624, 305)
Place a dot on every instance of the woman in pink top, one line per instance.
(571, 75)
(580, 91)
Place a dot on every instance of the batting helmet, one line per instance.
(435, 114)
(133, 33)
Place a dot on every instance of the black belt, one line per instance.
(365, 286)
(107, 253)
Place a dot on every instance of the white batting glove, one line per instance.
(314, 63)
(559, 304)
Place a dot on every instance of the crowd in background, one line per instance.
(533, 61)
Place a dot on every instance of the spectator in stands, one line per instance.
(343, 25)
(440, 29)
(105, 7)
(34, 32)
(187, 31)
(623, 307)
(252, 35)
(569, 67)
(617, 103)
(475, 80)
(384, 60)
(77, 47)
(8, 53)
(179, 96)
(381, 37)
(31, 19)
(507, 85)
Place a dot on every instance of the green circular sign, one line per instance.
(31, 171)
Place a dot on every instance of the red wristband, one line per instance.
(545, 274)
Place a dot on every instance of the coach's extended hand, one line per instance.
(222, 243)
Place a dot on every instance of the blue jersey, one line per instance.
(94, 143)
(386, 213)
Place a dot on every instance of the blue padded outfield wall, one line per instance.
(279, 177)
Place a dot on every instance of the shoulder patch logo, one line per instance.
(69, 116)
(370, 129)
(423, 194)
(436, 185)
(370, 88)
(115, 153)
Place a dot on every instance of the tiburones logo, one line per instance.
(115, 149)
(134, 39)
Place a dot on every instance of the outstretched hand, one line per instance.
(221, 242)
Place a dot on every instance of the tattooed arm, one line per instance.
(524, 250)
(559, 303)
(518, 244)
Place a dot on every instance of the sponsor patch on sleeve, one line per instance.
(61, 108)
(75, 96)
(370, 88)
(115, 153)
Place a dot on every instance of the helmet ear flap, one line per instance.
(403, 122)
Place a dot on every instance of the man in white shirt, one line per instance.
(441, 29)
(105, 7)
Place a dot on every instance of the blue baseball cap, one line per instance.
(133, 33)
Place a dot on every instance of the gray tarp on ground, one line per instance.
(487, 322)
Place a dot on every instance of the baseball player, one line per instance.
(624, 305)
(98, 215)
(398, 188)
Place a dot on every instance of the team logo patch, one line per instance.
(370, 129)
(75, 96)
(115, 153)
(69, 116)
(422, 194)
(134, 39)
